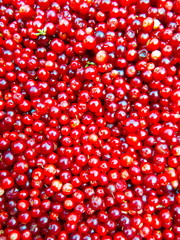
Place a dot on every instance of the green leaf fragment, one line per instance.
(89, 63)
(41, 32)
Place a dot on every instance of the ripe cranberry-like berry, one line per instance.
(89, 120)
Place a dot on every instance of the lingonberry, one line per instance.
(89, 119)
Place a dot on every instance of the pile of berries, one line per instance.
(89, 119)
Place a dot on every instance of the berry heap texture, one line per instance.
(89, 119)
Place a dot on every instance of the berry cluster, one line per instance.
(89, 119)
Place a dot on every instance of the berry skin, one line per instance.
(57, 46)
(89, 42)
(101, 57)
